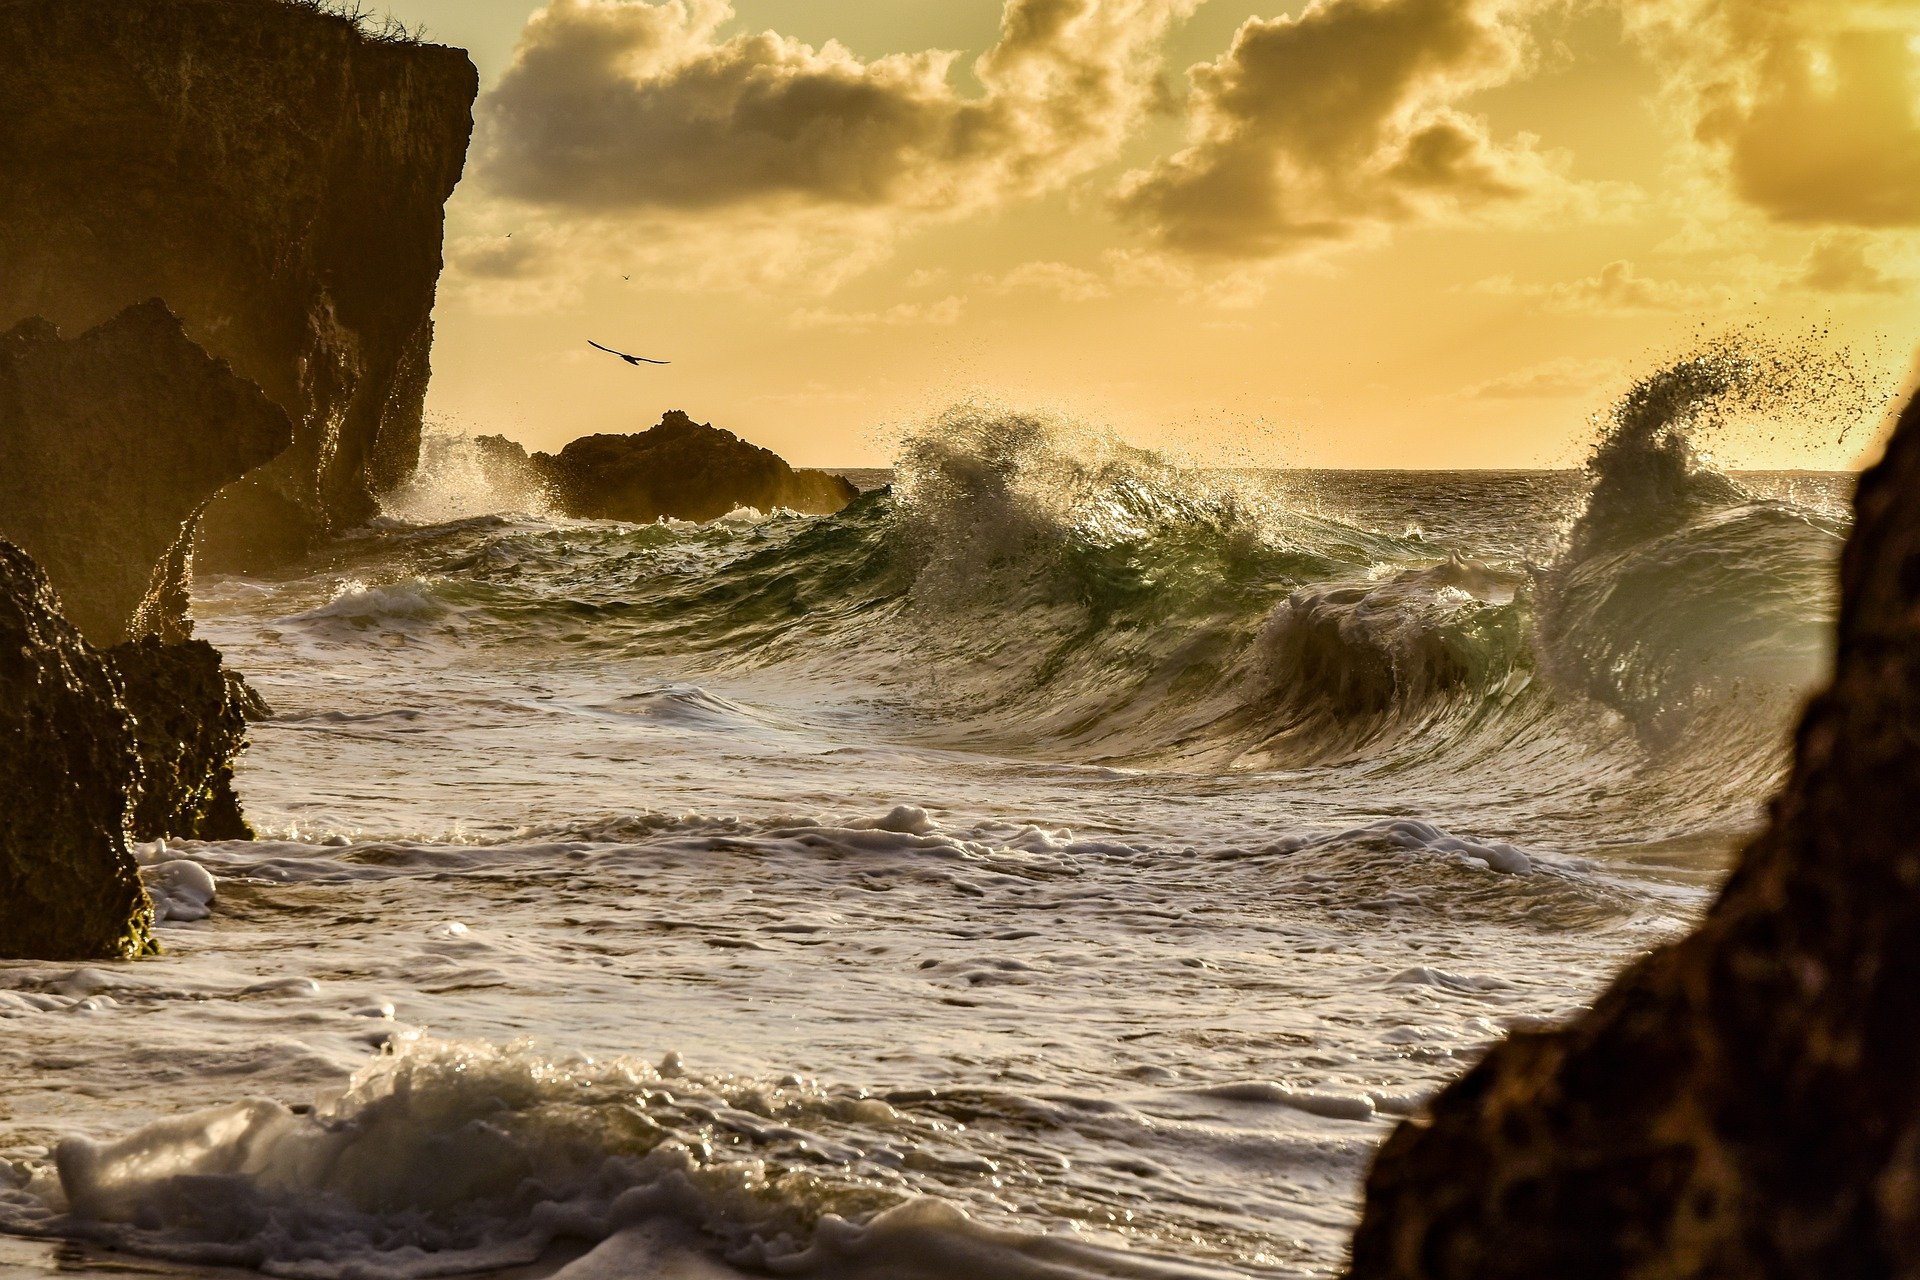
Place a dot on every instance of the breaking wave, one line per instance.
(1031, 586)
(451, 1158)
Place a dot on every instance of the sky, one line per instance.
(1342, 233)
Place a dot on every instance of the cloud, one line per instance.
(499, 274)
(619, 106)
(498, 257)
(1618, 289)
(1554, 380)
(1065, 281)
(947, 311)
(1346, 118)
(1838, 264)
(1811, 107)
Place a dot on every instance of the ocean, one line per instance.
(1059, 865)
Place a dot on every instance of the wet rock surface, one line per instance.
(111, 444)
(69, 771)
(1740, 1103)
(190, 719)
(682, 469)
(277, 177)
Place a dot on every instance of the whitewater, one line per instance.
(1060, 864)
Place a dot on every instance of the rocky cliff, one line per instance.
(278, 177)
(1741, 1103)
(111, 444)
(683, 469)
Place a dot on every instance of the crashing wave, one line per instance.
(1032, 586)
(1678, 589)
(445, 1158)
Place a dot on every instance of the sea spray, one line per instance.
(1680, 597)
(989, 499)
(459, 477)
(1649, 470)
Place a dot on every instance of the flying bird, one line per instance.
(636, 361)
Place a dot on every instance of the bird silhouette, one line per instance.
(636, 361)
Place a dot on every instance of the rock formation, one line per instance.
(278, 177)
(111, 444)
(683, 469)
(69, 888)
(1743, 1102)
(189, 717)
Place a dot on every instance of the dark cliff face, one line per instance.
(69, 772)
(279, 180)
(111, 443)
(686, 470)
(1741, 1103)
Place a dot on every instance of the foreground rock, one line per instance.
(111, 445)
(189, 717)
(279, 178)
(1741, 1103)
(69, 887)
(685, 470)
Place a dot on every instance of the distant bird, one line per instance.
(636, 361)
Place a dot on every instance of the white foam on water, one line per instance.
(182, 890)
(443, 1158)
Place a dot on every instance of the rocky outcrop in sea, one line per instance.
(680, 469)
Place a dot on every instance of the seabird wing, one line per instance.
(635, 360)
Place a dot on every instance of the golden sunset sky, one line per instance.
(1416, 233)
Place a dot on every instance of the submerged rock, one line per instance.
(69, 772)
(279, 177)
(190, 723)
(111, 444)
(686, 470)
(1740, 1103)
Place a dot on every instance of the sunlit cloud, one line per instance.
(1617, 289)
(1811, 108)
(622, 105)
(1558, 379)
(1345, 119)
(1059, 279)
(946, 311)
(1840, 263)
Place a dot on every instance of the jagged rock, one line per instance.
(684, 469)
(1740, 1103)
(111, 444)
(190, 719)
(69, 887)
(275, 174)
